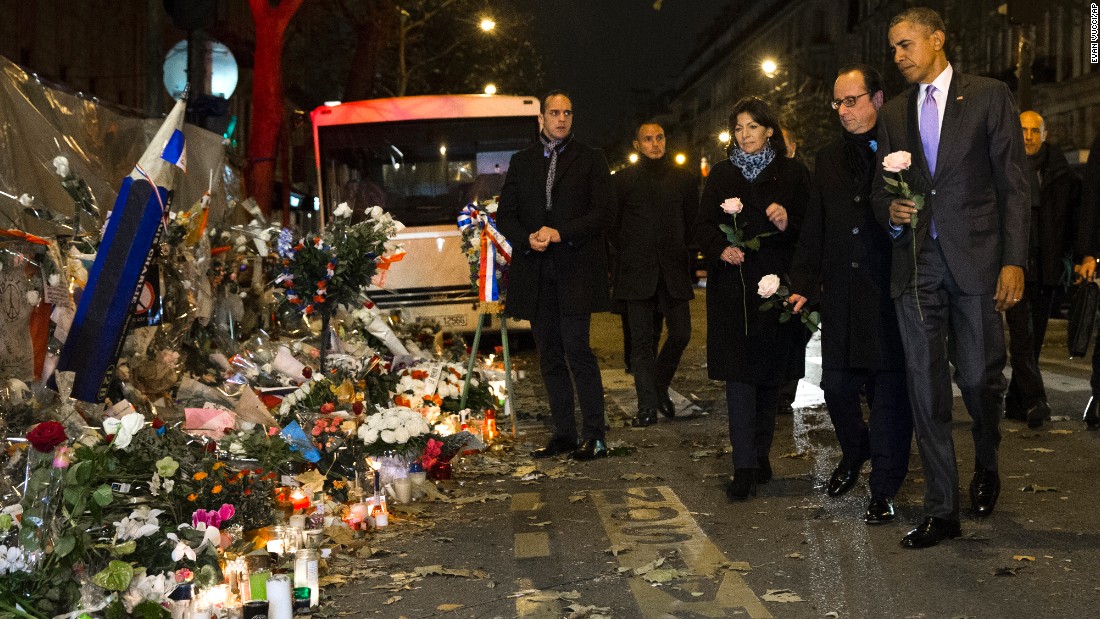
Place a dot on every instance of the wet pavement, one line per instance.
(649, 532)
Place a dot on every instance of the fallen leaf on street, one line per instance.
(1060, 431)
(580, 611)
(1037, 488)
(780, 595)
(576, 498)
(446, 608)
(737, 566)
(798, 455)
(439, 570)
(1022, 558)
(618, 549)
(663, 575)
(638, 476)
(1042, 450)
(795, 555)
(392, 599)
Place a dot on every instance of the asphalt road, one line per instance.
(649, 532)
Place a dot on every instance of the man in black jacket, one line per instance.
(657, 202)
(843, 263)
(554, 208)
(1056, 233)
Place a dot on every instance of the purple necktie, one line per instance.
(930, 136)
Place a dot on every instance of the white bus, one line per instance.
(422, 159)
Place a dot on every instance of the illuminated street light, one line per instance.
(487, 24)
(443, 150)
(769, 67)
(681, 159)
(633, 158)
(490, 89)
(724, 137)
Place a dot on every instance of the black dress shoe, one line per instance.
(557, 445)
(645, 417)
(931, 532)
(844, 477)
(590, 449)
(1092, 414)
(742, 486)
(763, 470)
(985, 487)
(1014, 409)
(1037, 414)
(664, 403)
(879, 511)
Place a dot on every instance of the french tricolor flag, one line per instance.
(175, 151)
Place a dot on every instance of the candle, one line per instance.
(275, 546)
(381, 519)
(297, 521)
(279, 602)
(257, 584)
(299, 499)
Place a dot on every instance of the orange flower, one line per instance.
(216, 489)
(192, 496)
(201, 475)
(418, 374)
(338, 484)
(218, 465)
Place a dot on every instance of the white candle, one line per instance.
(381, 519)
(279, 602)
(275, 546)
(297, 521)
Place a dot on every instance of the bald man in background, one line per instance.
(1056, 234)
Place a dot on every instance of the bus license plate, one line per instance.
(454, 320)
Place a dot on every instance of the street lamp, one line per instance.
(681, 159)
(490, 89)
(633, 158)
(724, 137)
(487, 24)
(769, 67)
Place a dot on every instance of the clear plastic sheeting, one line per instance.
(39, 123)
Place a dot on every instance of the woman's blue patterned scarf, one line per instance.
(752, 165)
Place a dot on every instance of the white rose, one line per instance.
(388, 436)
(897, 161)
(343, 210)
(732, 206)
(401, 435)
(33, 297)
(768, 286)
(375, 212)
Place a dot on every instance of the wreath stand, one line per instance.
(492, 308)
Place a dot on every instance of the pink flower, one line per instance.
(897, 161)
(768, 286)
(226, 511)
(732, 206)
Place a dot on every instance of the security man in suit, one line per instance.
(961, 265)
(656, 205)
(554, 208)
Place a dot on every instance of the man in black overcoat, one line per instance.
(1056, 234)
(656, 205)
(554, 208)
(959, 264)
(842, 263)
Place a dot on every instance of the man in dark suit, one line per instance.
(657, 202)
(554, 208)
(961, 264)
(843, 263)
(1056, 233)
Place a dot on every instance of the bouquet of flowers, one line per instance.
(400, 430)
(775, 295)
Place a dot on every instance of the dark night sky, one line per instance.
(602, 50)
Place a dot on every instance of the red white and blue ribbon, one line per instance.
(495, 252)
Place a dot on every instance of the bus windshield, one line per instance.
(421, 171)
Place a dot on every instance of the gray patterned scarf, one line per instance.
(551, 149)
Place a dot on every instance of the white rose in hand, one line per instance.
(732, 206)
(897, 161)
(769, 285)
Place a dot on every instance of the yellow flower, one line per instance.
(201, 475)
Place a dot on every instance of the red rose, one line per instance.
(307, 372)
(357, 408)
(47, 435)
(327, 408)
(158, 423)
